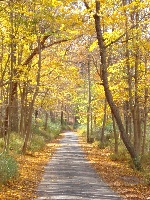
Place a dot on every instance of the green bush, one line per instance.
(1, 144)
(121, 156)
(146, 160)
(53, 130)
(16, 142)
(8, 168)
(81, 130)
(37, 142)
(40, 136)
(147, 178)
(96, 144)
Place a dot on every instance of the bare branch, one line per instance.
(35, 51)
(43, 46)
(57, 42)
(86, 5)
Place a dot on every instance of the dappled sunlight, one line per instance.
(70, 176)
(119, 175)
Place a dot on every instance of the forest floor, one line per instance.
(127, 182)
(118, 175)
(31, 168)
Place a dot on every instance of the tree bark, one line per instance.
(145, 114)
(115, 134)
(89, 103)
(46, 121)
(28, 127)
(136, 111)
(103, 125)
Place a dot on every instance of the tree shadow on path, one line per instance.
(69, 175)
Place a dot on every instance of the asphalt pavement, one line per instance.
(69, 175)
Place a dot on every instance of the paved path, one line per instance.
(69, 175)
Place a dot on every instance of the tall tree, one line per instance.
(104, 77)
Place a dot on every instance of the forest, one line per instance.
(75, 65)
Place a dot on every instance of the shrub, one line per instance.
(121, 156)
(147, 178)
(8, 168)
(54, 129)
(1, 144)
(16, 142)
(96, 144)
(81, 130)
(37, 142)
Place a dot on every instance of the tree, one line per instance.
(104, 77)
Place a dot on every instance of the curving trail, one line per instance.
(69, 175)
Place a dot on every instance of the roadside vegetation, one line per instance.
(117, 169)
(9, 166)
(65, 63)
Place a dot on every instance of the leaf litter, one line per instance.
(127, 182)
(31, 168)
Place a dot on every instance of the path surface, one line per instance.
(69, 175)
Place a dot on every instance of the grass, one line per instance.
(8, 168)
(38, 139)
(37, 142)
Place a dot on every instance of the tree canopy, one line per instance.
(76, 59)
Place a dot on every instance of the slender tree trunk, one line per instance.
(89, 102)
(145, 113)
(129, 102)
(92, 136)
(13, 84)
(115, 135)
(31, 108)
(22, 112)
(52, 116)
(136, 112)
(46, 121)
(62, 116)
(103, 125)
(6, 125)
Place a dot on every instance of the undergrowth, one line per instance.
(8, 168)
(38, 138)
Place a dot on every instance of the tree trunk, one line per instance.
(145, 114)
(52, 116)
(13, 102)
(103, 125)
(62, 116)
(129, 102)
(46, 121)
(31, 108)
(136, 112)
(89, 103)
(115, 135)
(108, 93)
